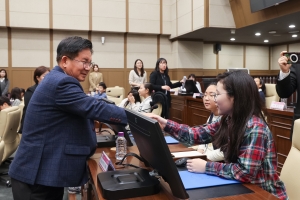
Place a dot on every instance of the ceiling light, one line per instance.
(232, 39)
(257, 34)
(266, 41)
(272, 32)
(292, 26)
(294, 32)
(294, 35)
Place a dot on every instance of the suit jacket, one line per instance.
(157, 80)
(287, 86)
(58, 135)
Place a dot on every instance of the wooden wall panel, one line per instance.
(22, 78)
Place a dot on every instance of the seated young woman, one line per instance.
(132, 101)
(145, 91)
(212, 154)
(261, 88)
(241, 133)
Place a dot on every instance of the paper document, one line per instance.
(194, 180)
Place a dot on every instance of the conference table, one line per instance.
(94, 190)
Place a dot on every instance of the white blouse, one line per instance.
(134, 78)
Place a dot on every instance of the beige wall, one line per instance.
(29, 13)
(257, 57)
(275, 53)
(3, 47)
(198, 14)
(2, 13)
(167, 16)
(209, 58)
(184, 16)
(220, 14)
(109, 15)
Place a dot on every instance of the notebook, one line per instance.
(171, 140)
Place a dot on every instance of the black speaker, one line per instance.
(217, 47)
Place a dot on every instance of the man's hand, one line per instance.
(282, 61)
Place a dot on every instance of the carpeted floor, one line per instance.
(6, 192)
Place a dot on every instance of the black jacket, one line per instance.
(157, 80)
(287, 86)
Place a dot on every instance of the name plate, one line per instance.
(105, 163)
(278, 105)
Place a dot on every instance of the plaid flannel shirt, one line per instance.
(257, 160)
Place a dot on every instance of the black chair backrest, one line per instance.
(160, 97)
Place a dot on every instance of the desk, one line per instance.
(280, 124)
(164, 194)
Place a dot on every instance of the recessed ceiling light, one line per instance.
(257, 34)
(272, 32)
(294, 35)
(266, 41)
(294, 32)
(232, 39)
(292, 26)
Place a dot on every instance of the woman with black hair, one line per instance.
(160, 79)
(4, 83)
(261, 89)
(15, 96)
(138, 75)
(241, 133)
(145, 91)
(132, 101)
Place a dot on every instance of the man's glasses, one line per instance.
(215, 95)
(86, 65)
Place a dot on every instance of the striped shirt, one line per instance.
(257, 160)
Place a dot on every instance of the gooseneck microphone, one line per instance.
(152, 108)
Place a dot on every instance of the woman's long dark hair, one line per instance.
(149, 86)
(157, 65)
(135, 68)
(16, 93)
(263, 86)
(247, 103)
(136, 96)
(5, 77)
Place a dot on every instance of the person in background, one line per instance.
(261, 89)
(101, 91)
(58, 135)
(22, 93)
(4, 83)
(15, 96)
(241, 133)
(138, 75)
(211, 152)
(4, 103)
(132, 101)
(38, 75)
(193, 77)
(160, 79)
(145, 91)
(95, 78)
(288, 82)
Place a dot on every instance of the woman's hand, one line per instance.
(196, 165)
(165, 87)
(282, 61)
(131, 99)
(162, 122)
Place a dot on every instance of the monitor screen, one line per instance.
(190, 87)
(154, 149)
(207, 81)
(257, 5)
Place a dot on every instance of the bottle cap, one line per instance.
(121, 134)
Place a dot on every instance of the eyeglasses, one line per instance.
(215, 95)
(86, 65)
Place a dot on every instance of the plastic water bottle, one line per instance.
(121, 146)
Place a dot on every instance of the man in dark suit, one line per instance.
(288, 82)
(58, 133)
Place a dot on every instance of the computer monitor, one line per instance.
(190, 87)
(239, 69)
(207, 81)
(154, 149)
(119, 128)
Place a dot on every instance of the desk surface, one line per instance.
(94, 169)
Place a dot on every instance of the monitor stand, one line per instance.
(106, 140)
(122, 184)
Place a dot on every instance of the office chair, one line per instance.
(21, 106)
(290, 171)
(9, 137)
(161, 100)
(271, 94)
(116, 94)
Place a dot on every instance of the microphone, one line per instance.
(152, 108)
